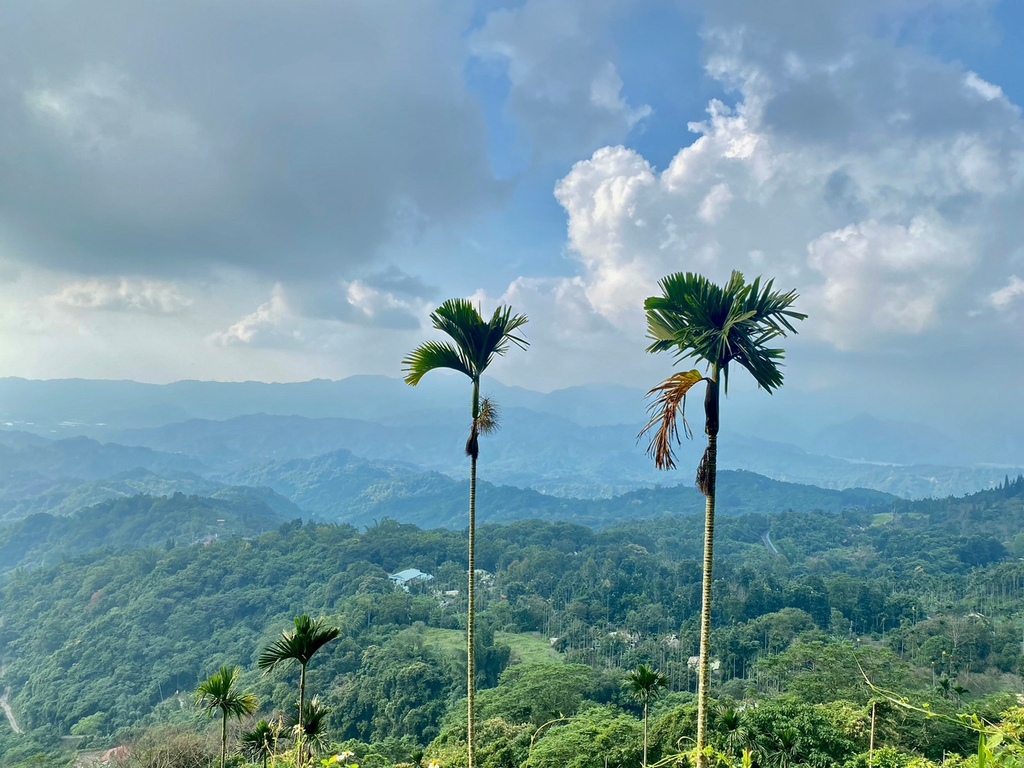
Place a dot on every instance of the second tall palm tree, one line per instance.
(644, 684)
(474, 344)
(717, 325)
(308, 637)
(218, 692)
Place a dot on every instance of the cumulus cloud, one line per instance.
(884, 280)
(874, 179)
(272, 324)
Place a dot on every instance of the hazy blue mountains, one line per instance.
(70, 443)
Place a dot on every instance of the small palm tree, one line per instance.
(645, 685)
(475, 343)
(217, 692)
(959, 691)
(717, 325)
(308, 637)
(310, 728)
(783, 752)
(259, 743)
(731, 723)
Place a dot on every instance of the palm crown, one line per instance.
(474, 344)
(258, 744)
(217, 692)
(309, 636)
(645, 683)
(722, 324)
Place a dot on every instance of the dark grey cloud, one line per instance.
(395, 281)
(290, 139)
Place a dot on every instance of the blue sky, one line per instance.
(265, 191)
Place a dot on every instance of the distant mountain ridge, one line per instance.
(579, 442)
(132, 523)
(340, 488)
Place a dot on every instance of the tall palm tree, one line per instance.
(474, 344)
(308, 637)
(717, 325)
(645, 684)
(258, 744)
(218, 692)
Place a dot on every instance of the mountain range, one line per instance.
(368, 447)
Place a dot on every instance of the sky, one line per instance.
(257, 189)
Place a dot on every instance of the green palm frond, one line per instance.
(218, 694)
(474, 341)
(695, 318)
(645, 683)
(309, 636)
(432, 355)
(258, 744)
(313, 725)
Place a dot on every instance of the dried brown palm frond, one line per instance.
(486, 422)
(705, 477)
(667, 411)
(490, 416)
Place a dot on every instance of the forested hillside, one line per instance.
(924, 597)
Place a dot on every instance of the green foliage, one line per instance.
(260, 742)
(537, 693)
(613, 598)
(597, 736)
(129, 523)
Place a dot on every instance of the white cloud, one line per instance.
(1006, 296)
(714, 204)
(983, 88)
(870, 178)
(883, 280)
(313, 317)
(272, 324)
(123, 295)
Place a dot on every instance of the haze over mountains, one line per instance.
(366, 447)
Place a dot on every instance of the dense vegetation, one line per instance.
(925, 597)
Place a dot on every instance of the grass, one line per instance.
(527, 647)
(883, 518)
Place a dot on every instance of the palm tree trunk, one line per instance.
(301, 732)
(223, 739)
(645, 734)
(471, 597)
(704, 668)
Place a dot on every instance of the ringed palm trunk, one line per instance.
(707, 476)
(471, 596)
(223, 739)
(301, 732)
(645, 734)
